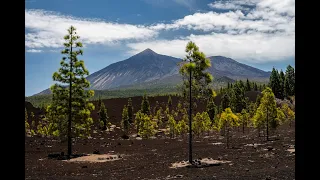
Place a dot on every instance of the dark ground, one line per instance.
(150, 159)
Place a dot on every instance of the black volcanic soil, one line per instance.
(150, 159)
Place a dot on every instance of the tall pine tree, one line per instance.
(211, 109)
(195, 80)
(238, 97)
(274, 83)
(266, 113)
(289, 82)
(169, 102)
(130, 110)
(145, 106)
(103, 114)
(248, 86)
(125, 120)
(255, 87)
(69, 96)
(281, 90)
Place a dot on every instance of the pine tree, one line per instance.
(248, 86)
(182, 127)
(147, 126)
(130, 110)
(167, 112)
(244, 118)
(266, 113)
(27, 126)
(99, 102)
(289, 114)
(274, 83)
(225, 101)
(289, 83)
(138, 120)
(211, 109)
(155, 108)
(170, 102)
(251, 111)
(206, 121)
(217, 125)
(238, 97)
(159, 116)
(196, 80)
(228, 120)
(197, 124)
(172, 126)
(255, 87)
(281, 89)
(70, 99)
(258, 99)
(125, 120)
(33, 123)
(39, 130)
(145, 106)
(103, 115)
(179, 107)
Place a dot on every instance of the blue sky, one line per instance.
(260, 33)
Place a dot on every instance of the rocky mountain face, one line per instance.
(143, 67)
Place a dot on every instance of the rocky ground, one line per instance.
(152, 158)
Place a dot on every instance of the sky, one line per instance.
(259, 33)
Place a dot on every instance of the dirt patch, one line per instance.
(255, 145)
(291, 150)
(199, 163)
(96, 158)
(217, 143)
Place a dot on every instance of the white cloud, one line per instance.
(264, 33)
(254, 47)
(47, 30)
(226, 6)
(34, 50)
(233, 4)
(280, 6)
(265, 17)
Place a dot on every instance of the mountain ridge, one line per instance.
(150, 68)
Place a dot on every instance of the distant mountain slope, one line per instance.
(223, 66)
(148, 69)
(143, 67)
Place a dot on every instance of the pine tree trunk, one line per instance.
(242, 128)
(228, 137)
(267, 126)
(290, 123)
(137, 129)
(104, 125)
